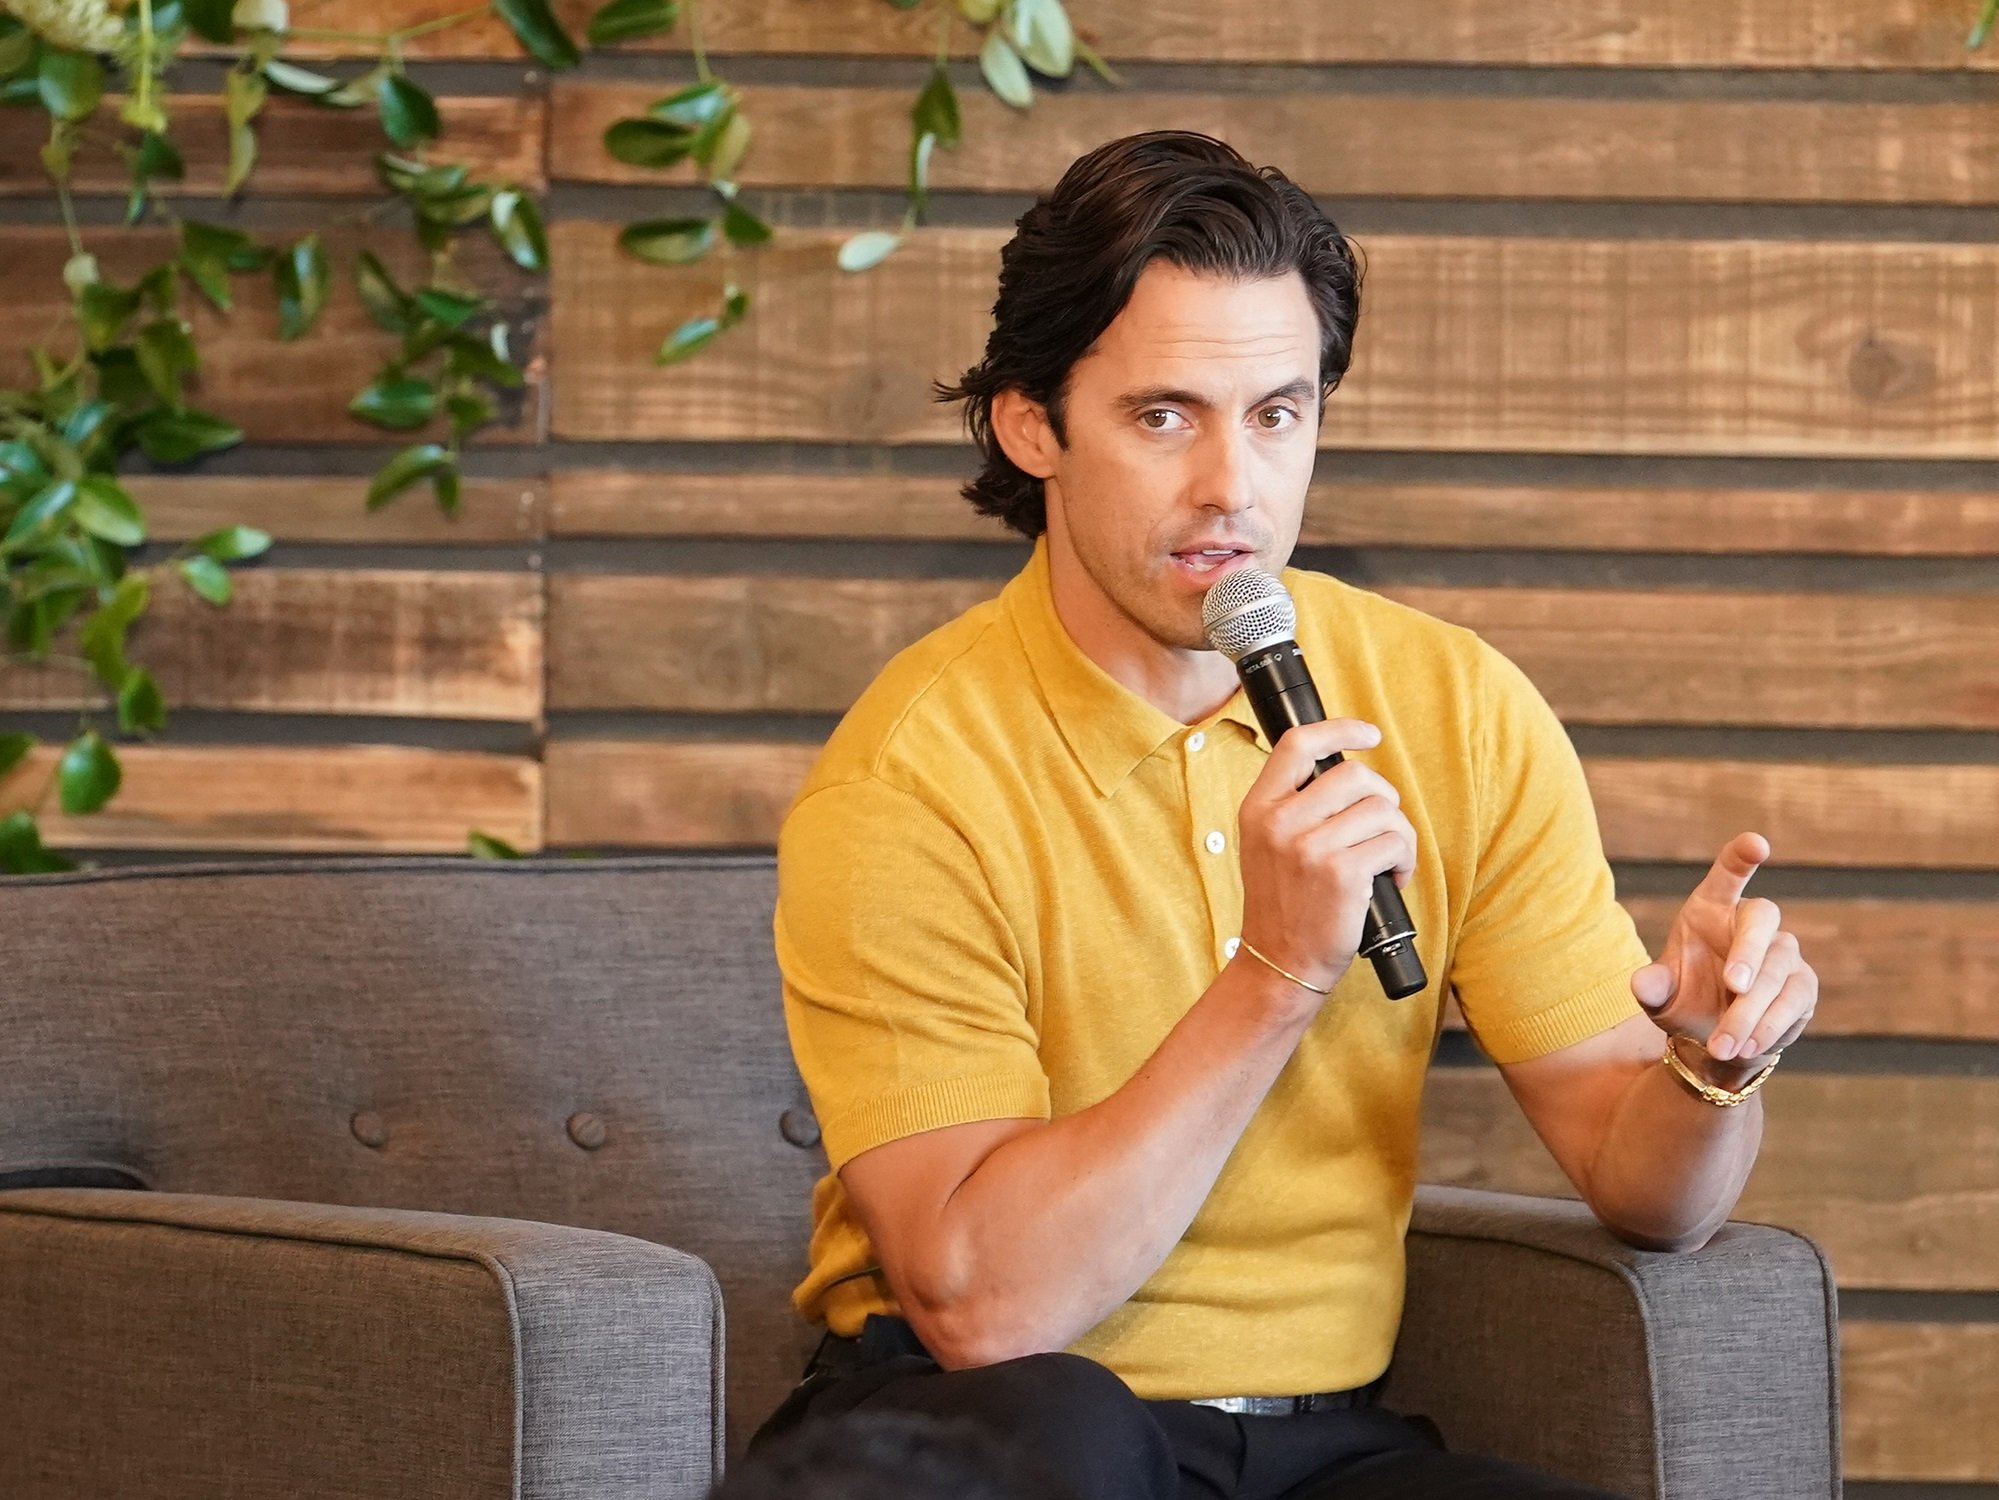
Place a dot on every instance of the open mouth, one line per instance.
(1207, 563)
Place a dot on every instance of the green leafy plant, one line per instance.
(125, 376)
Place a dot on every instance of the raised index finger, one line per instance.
(1740, 858)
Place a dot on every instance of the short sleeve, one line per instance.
(1545, 956)
(903, 987)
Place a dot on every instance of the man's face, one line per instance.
(1191, 425)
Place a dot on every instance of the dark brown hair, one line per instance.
(1075, 256)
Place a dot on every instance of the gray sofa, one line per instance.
(431, 1177)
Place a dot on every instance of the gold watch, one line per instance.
(1714, 1093)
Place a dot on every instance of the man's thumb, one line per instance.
(1654, 986)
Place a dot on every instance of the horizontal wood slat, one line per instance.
(1601, 656)
(1443, 145)
(333, 508)
(1916, 34)
(1897, 1177)
(1915, 816)
(275, 391)
(1338, 513)
(301, 148)
(1468, 343)
(337, 799)
(349, 641)
(1918, 1398)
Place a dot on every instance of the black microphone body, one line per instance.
(1279, 688)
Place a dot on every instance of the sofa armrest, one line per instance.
(1532, 1333)
(176, 1345)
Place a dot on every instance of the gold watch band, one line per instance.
(1714, 1093)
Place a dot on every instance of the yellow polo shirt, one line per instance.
(1008, 876)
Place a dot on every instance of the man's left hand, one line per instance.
(1730, 976)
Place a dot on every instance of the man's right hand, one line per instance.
(1309, 857)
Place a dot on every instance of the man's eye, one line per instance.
(1276, 418)
(1166, 416)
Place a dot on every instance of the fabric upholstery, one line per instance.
(1532, 1334)
(599, 1044)
(177, 1346)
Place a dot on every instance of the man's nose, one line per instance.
(1224, 480)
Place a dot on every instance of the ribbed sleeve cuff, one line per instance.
(1584, 1014)
(931, 1106)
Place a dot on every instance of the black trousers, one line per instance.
(1083, 1424)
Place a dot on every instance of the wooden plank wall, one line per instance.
(1678, 380)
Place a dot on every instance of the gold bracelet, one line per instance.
(1280, 969)
(1712, 1092)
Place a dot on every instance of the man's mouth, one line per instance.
(1207, 562)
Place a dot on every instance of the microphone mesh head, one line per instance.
(1247, 609)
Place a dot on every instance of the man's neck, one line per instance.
(1186, 685)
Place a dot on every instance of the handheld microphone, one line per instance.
(1251, 620)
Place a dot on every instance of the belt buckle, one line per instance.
(1257, 1406)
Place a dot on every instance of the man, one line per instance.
(1118, 1129)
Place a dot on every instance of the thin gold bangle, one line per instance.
(1280, 968)
(1714, 1093)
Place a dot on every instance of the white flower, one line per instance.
(80, 25)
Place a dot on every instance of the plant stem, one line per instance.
(694, 41)
(145, 54)
(945, 15)
(383, 38)
(69, 216)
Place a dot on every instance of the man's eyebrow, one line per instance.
(1160, 395)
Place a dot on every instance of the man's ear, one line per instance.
(1021, 425)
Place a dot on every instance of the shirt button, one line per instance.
(1229, 948)
(1196, 740)
(1216, 843)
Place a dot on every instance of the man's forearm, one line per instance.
(1671, 1165)
(1062, 1224)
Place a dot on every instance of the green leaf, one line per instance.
(743, 227)
(402, 404)
(696, 106)
(103, 508)
(159, 157)
(721, 148)
(17, 51)
(175, 437)
(207, 577)
(868, 249)
(105, 309)
(539, 31)
(302, 277)
(71, 83)
(414, 463)
(485, 846)
(625, 20)
(211, 19)
(978, 12)
(1041, 33)
(166, 351)
(243, 96)
(141, 707)
(1004, 72)
(85, 422)
(296, 80)
(697, 333)
(409, 113)
(1983, 28)
(388, 304)
(234, 543)
(88, 774)
(468, 410)
(209, 252)
(936, 111)
(516, 220)
(469, 356)
(102, 638)
(920, 150)
(648, 143)
(51, 502)
(21, 851)
(452, 309)
(14, 749)
(444, 483)
(668, 242)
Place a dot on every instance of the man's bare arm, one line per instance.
(1011, 1237)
